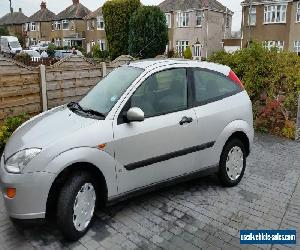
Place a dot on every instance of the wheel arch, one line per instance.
(243, 138)
(65, 174)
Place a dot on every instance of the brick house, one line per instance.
(69, 26)
(274, 23)
(95, 30)
(38, 26)
(15, 22)
(199, 24)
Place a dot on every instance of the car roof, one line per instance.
(151, 64)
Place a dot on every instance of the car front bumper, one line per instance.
(31, 193)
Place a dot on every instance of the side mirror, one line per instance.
(135, 115)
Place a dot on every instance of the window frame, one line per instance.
(196, 103)
(121, 117)
(63, 22)
(273, 8)
(297, 47)
(298, 13)
(199, 15)
(99, 21)
(183, 19)
(252, 14)
(168, 20)
(182, 44)
(33, 26)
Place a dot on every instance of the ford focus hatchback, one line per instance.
(146, 124)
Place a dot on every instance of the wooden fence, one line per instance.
(32, 90)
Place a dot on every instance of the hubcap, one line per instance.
(84, 207)
(235, 163)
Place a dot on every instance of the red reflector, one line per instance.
(234, 78)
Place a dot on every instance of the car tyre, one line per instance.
(76, 205)
(232, 163)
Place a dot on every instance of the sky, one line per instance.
(31, 6)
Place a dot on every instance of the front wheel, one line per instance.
(76, 205)
(232, 163)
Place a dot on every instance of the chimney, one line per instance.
(75, 2)
(20, 10)
(43, 5)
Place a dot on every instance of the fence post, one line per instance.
(43, 87)
(298, 121)
(104, 70)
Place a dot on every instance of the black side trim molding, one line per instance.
(165, 157)
(163, 184)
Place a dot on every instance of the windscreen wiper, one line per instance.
(94, 112)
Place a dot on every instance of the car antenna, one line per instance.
(140, 52)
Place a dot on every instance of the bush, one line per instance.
(148, 32)
(8, 127)
(117, 14)
(51, 50)
(187, 54)
(4, 31)
(272, 80)
(23, 58)
(97, 53)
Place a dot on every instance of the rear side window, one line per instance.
(211, 86)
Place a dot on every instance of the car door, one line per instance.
(163, 145)
(216, 104)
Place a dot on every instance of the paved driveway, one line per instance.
(193, 215)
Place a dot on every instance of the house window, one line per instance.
(275, 14)
(65, 25)
(27, 27)
(67, 43)
(100, 23)
(274, 44)
(252, 16)
(199, 17)
(102, 45)
(57, 42)
(32, 26)
(181, 46)
(297, 47)
(33, 41)
(182, 19)
(57, 25)
(197, 51)
(298, 12)
(168, 18)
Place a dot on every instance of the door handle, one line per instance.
(185, 120)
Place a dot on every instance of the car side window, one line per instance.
(162, 93)
(211, 86)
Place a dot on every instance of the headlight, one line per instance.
(17, 162)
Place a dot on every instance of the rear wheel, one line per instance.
(76, 205)
(232, 163)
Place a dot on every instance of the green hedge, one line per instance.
(9, 126)
(272, 80)
(117, 14)
(148, 34)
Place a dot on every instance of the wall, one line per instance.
(266, 32)
(32, 90)
(19, 89)
(295, 27)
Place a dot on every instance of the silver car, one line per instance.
(146, 124)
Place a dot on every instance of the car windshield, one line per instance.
(107, 92)
(15, 44)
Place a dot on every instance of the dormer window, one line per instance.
(100, 23)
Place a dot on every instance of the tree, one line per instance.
(148, 35)
(117, 15)
(187, 53)
(4, 31)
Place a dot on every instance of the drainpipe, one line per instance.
(250, 19)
